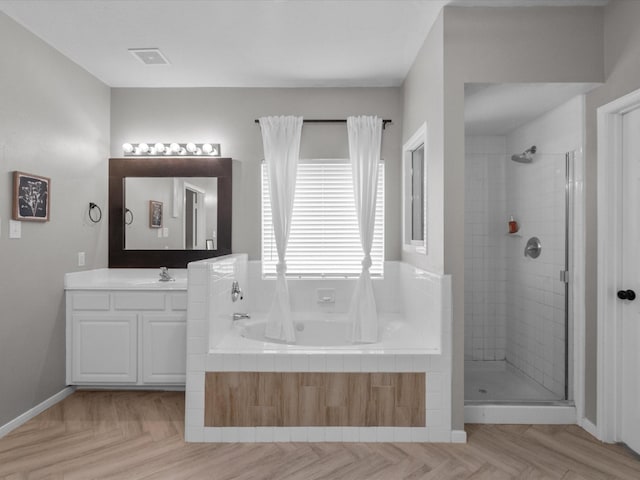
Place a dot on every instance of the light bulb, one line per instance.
(159, 147)
(198, 151)
(175, 148)
(191, 147)
(207, 148)
(144, 148)
(152, 150)
(138, 151)
(214, 151)
(127, 147)
(182, 151)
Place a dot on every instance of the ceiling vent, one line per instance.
(149, 56)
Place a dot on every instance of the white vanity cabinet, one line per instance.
(162, 363)
(103, 348)
(126, 337)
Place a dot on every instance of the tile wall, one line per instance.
(535, 294)
(486, 218)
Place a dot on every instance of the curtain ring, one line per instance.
(127, 211)
(92, 207)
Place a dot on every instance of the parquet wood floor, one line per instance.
(139, 435)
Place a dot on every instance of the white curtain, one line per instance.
(281, 142)
(365, 138)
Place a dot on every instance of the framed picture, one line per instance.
(31, 196)
(155, 214)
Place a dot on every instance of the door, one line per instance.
(164, 348)
(629, 338)
(104, 348)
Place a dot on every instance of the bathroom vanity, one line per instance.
(126, 328)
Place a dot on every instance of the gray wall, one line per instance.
(54, 122)
(499, 45)
(424, 102)
(622, 73)
(226, 116)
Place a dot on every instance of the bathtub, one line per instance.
(241, 385)
(318, 333)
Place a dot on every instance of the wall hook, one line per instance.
(95, 218)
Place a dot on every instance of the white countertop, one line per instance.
(125, 279)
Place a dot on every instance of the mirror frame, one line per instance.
(120, 168)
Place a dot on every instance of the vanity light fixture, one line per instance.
(159, 149)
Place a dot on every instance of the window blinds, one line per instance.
(324, 240)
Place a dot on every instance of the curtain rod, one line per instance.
(307, 120)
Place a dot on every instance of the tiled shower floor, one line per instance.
(499, 381)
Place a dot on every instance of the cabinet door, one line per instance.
(104, 348)
(164, 348)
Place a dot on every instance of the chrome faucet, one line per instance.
(164, 275)
(240, 316)
(236, 292)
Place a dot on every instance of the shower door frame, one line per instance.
(561, 411)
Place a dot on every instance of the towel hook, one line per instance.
(92, 216)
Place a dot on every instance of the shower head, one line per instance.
(526, 156)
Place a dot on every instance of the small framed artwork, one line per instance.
(155, 214)
(31, 197)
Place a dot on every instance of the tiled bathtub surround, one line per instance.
(426, 301)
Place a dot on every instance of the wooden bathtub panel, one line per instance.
(337, 390)
(290, 385)
(358, 392)
(247, 399)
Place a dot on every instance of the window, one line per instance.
(414, 192)
(324, 240)
(417, 194)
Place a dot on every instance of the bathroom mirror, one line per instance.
(168, 211)
(186, 213)
(414, 192)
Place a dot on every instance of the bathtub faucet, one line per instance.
(240, 316)
(164, 275)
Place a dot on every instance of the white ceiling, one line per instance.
(243, 43)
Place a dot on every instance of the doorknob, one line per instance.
(626, 295)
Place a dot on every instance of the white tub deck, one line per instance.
(398, 337)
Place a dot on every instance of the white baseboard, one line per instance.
(520, 414)
(458, 436)
(587, 425)
(41, 407)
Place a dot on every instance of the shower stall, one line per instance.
(518, 215)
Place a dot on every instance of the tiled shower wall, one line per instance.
(485, 235)
(535, 294)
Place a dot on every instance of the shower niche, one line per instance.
(520, 141)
